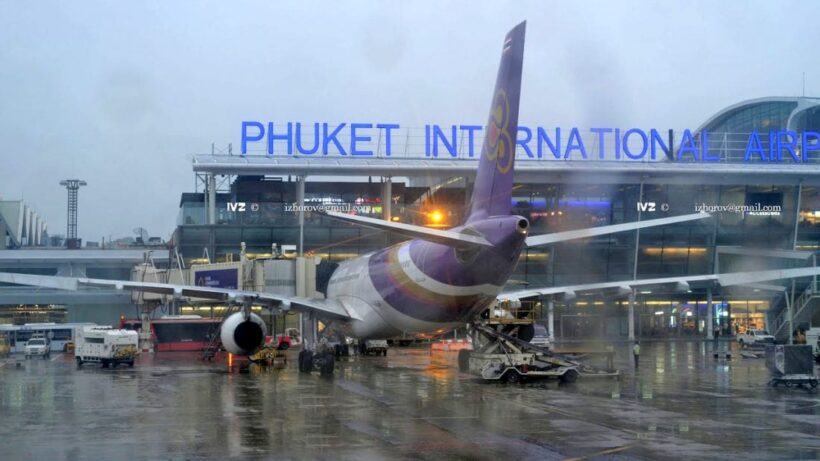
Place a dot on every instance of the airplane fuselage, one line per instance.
(420, 287)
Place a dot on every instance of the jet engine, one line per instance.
(241, 336)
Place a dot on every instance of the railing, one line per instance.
(538, 143)
(781, 321)
(805, 299)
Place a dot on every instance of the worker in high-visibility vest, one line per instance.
(636, 353)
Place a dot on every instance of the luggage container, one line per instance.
(791, 365)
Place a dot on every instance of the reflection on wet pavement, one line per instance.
(681, 404)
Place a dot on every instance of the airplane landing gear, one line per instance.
(305, 361)
(324, 362)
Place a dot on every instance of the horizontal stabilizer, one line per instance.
(322, 306)
(444, 237)
(547, 239)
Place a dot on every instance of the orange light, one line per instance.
(395, 218)
(230, 360)
(436, 216)
(674, 251)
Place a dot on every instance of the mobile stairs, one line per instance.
(214, 337)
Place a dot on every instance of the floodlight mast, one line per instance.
(73, 186)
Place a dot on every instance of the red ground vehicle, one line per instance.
(288, 339)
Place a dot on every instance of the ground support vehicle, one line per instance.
(794, 380)
(290, 338)
(754, 337)
(373, 347)
(38, 345)
(106, 345)
(791, 365)
(270, 356)
(502, 356)
(5, 347)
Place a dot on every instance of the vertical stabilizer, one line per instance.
(492, 192)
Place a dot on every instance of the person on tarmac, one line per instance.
(636, 353)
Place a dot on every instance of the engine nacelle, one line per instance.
(240, 336)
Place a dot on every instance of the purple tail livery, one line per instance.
(492, 193)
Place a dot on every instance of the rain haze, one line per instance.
(122, 95)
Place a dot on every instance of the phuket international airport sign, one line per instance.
(448, 141)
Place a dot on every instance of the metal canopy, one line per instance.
(527, 171)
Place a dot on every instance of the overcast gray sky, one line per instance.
(122, 94)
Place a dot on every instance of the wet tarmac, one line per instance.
(681, 404)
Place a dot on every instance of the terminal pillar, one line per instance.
(146, 342)
(300, 201)
(310, 327)
(551, 319)
(387, 199)
(211, 199)
(632, 315)
(710, 312)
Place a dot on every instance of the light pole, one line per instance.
(73, 187)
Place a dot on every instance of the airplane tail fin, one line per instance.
(492, 192)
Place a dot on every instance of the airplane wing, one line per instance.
(727, 279)
(547, 239)
(445, 237)
(322, 306)
(458, 239)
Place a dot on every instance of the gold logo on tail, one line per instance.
(498, 142)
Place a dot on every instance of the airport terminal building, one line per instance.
(748, 165)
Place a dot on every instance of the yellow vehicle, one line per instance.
(5, 347)
(270, 355)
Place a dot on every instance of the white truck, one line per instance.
(753, 336)
(38, 345)
(105, 345)
(374, 346)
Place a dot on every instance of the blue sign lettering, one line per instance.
(644, 142)
(523, 142)
(754, 146)
(328, 138)
(470, 130)
(354, 138)
(810, 145)
(387, 127)
(299, 147)
(287, 137)
(601, 132)
(357, 139)
(575, 143)
(687, 144)
(257, 137)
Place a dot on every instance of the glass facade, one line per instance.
(683, 249)
(764, 214)
(729, 132)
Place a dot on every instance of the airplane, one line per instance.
(439, 279)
